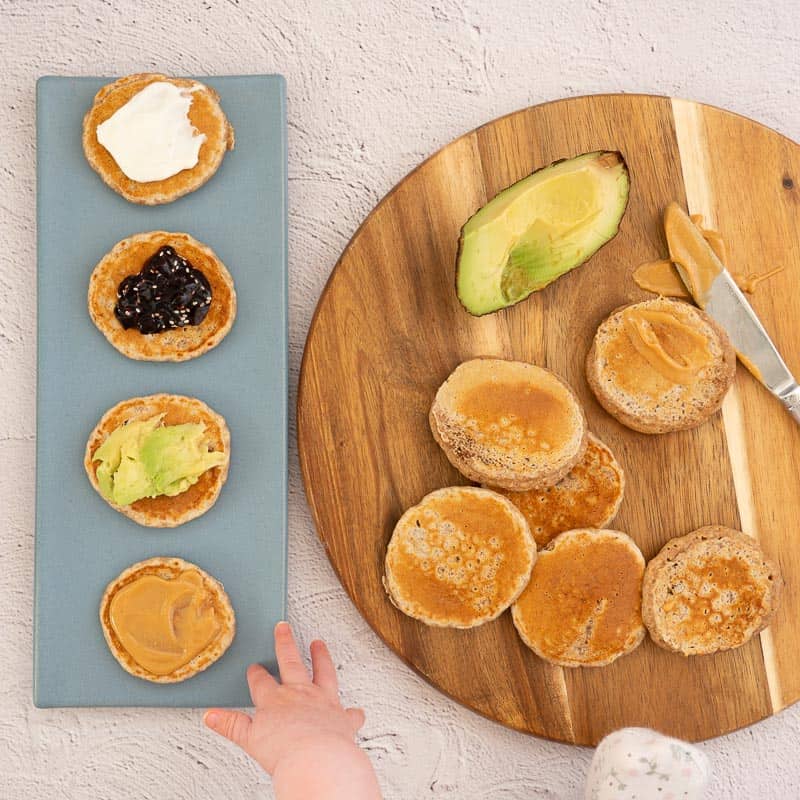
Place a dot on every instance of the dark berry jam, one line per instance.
(168, 293)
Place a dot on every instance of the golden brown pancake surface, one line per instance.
(165, 619)
(508, 423)
(515, 413)
(205, 114)
(588, 497)
(458, 558)
(582, 606)
(128, 257)
(710, 590)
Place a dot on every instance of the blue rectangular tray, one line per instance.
(81, 542)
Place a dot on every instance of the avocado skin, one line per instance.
(615, 156)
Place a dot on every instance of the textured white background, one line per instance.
(374, 87)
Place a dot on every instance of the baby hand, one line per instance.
(300, 733)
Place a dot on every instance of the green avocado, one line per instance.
(539, 228)
(146, 459)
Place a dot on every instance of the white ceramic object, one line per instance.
(641, 764)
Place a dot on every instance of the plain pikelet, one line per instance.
(128, 257)
(589, 496)
(582, 607)
(654, 403)
(205, 114)
(164, 511)
(508, 423)
(710, 590)
(459, 557)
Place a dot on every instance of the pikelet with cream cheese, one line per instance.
(153, 139)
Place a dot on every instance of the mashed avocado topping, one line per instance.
(144, 458)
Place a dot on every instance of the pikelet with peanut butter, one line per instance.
(660, 366)
(165, 620)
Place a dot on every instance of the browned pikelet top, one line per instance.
(584, 599)
(517, 414)
(587, 498)
(458, 556)
(717, 596)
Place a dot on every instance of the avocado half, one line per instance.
(539, 228)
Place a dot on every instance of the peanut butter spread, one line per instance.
(655, 351)
(749, 283)
(164, 624)
(653, 332)
(518, 414)
(661, 277)
(751, 367)
(689, 249)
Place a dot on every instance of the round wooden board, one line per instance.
(389, 329)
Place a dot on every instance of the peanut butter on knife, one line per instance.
(661, 277)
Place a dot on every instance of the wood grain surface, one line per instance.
(389, 329)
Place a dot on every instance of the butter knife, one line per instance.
(715, 291)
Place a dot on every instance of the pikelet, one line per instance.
(458, 558)
(165, 619)
(205, 115)
(661, 365)
(128, 258)
(582, 607)
(164, 511)
(588, 497)
(710, 590)
(508, 424)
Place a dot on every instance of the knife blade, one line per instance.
(715, 291)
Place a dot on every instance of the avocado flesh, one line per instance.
(175, 457)
(119, 474)
(538, 229)
(146, 459)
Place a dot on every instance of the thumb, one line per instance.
(233, 725)
(356, 717)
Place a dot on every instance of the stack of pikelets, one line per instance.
(465, 554)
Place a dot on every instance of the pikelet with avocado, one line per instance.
(160, 460)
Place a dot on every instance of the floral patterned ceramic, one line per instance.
(640, 764)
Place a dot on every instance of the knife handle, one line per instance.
(791, 399)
